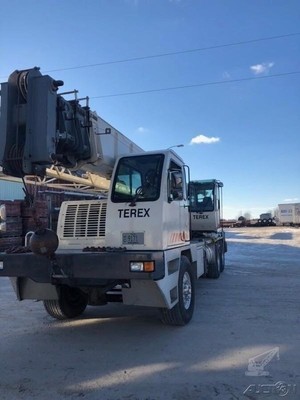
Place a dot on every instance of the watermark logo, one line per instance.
(256, 367)
(257, 364)
(279, 388)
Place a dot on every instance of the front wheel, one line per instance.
(182, 312)
(70, 304)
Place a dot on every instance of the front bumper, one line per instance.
(108, 265)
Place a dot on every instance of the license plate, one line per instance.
(133, 238)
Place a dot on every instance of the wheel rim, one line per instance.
(186, 290)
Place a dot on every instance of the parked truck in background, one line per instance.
(136, 245)
(266, 219)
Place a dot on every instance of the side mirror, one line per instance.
(175, 185)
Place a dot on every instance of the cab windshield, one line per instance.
(138, 178)
(201, 197)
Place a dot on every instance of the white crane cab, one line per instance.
(205, 206)
(148, 204)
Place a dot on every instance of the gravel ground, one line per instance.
(125, 353)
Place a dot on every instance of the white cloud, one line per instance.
(142, 130)
(262, 68)
(292, 200)
(204, 139)
(226, 75)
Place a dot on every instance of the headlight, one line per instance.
(142, 266)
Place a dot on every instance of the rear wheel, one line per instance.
(214, 267)
(71, 303)
(223, 250)
(222, 258)
(182, 312)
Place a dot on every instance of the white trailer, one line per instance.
(289, 214)
(135, 246)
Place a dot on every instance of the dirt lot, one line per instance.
(117, 352)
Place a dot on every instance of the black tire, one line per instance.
(222, 257)
(214, 268)
(71, 303)
(182, 312)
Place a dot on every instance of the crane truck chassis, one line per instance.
(139, 245)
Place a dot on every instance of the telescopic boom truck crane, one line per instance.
(134, 246)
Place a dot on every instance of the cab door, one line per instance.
(178, 214)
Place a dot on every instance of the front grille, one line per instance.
(85, 220)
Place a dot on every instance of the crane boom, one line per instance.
(40, 128)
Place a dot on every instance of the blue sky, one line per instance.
(245, 133)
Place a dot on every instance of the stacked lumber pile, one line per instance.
(34, 217)
(13, 234)
(20, 219)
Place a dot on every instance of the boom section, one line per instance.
(39, 127)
